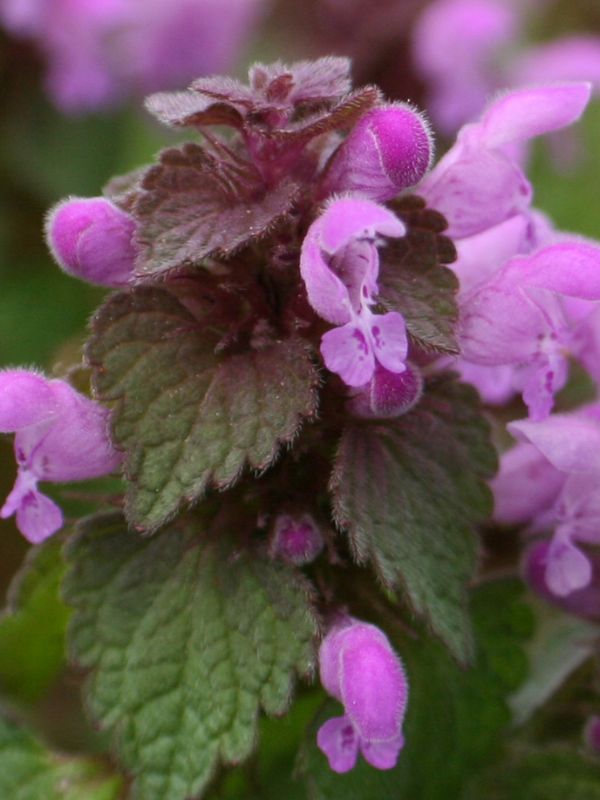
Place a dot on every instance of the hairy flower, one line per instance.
(360, 669)
(91, 239)
(340, 264)
(60, 436)
(388, 394)
(296, 539)
(388, 150)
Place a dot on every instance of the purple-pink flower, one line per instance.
(98, 51)
(92, 239)
(388, 394)
(480, 183)
(454, 45)
(296, 538)
(60, 436)
(388, 150)
(339, 263)
(551, 479)
(360, 669)
(520, 317)
(490, 56)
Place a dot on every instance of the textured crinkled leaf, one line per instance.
(558, 773)
(456, 718)
(409, 491)
(30, 772)
(187, 637)
(560, 646)
(185, 416)
(123, 190)
(33, 626)
(193, 205)
(414, 280)
(193, 109)
(343, 115)
(234, 105)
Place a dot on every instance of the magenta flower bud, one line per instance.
(360, 669)
(296, 539)
(388, 394)
(389, 149)
(91, 238)
(60, 436)
(591, 734)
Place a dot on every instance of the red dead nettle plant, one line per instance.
(284, 376)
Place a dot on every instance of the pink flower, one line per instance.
(479, 183)
(360, 669)
(60, 436)
(454, 46)
(388, 150)
(491, 56)
(552, 479)
(388, 394)
(340, 264)
(519, 317)
(91, 238)
(99, 51)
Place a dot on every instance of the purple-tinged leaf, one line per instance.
(414, 281)
(408, 493)
(187, 417)
(193, 205)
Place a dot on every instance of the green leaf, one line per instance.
(186, 417)
(192, 205)
(32, 628)
(455, 718)
(188, 637)
(30, 772)
(409, 491)
(557, 773)
(561, 644)
(414, 281)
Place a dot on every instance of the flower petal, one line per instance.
(382, 755)
(570, 442)
(77, 445)
(347, 351)
(339, 741)
(26, 398)
(534, 110)
(38, 517)
(389, 340)
(347, 218)
(326, 292)
(567, 568)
